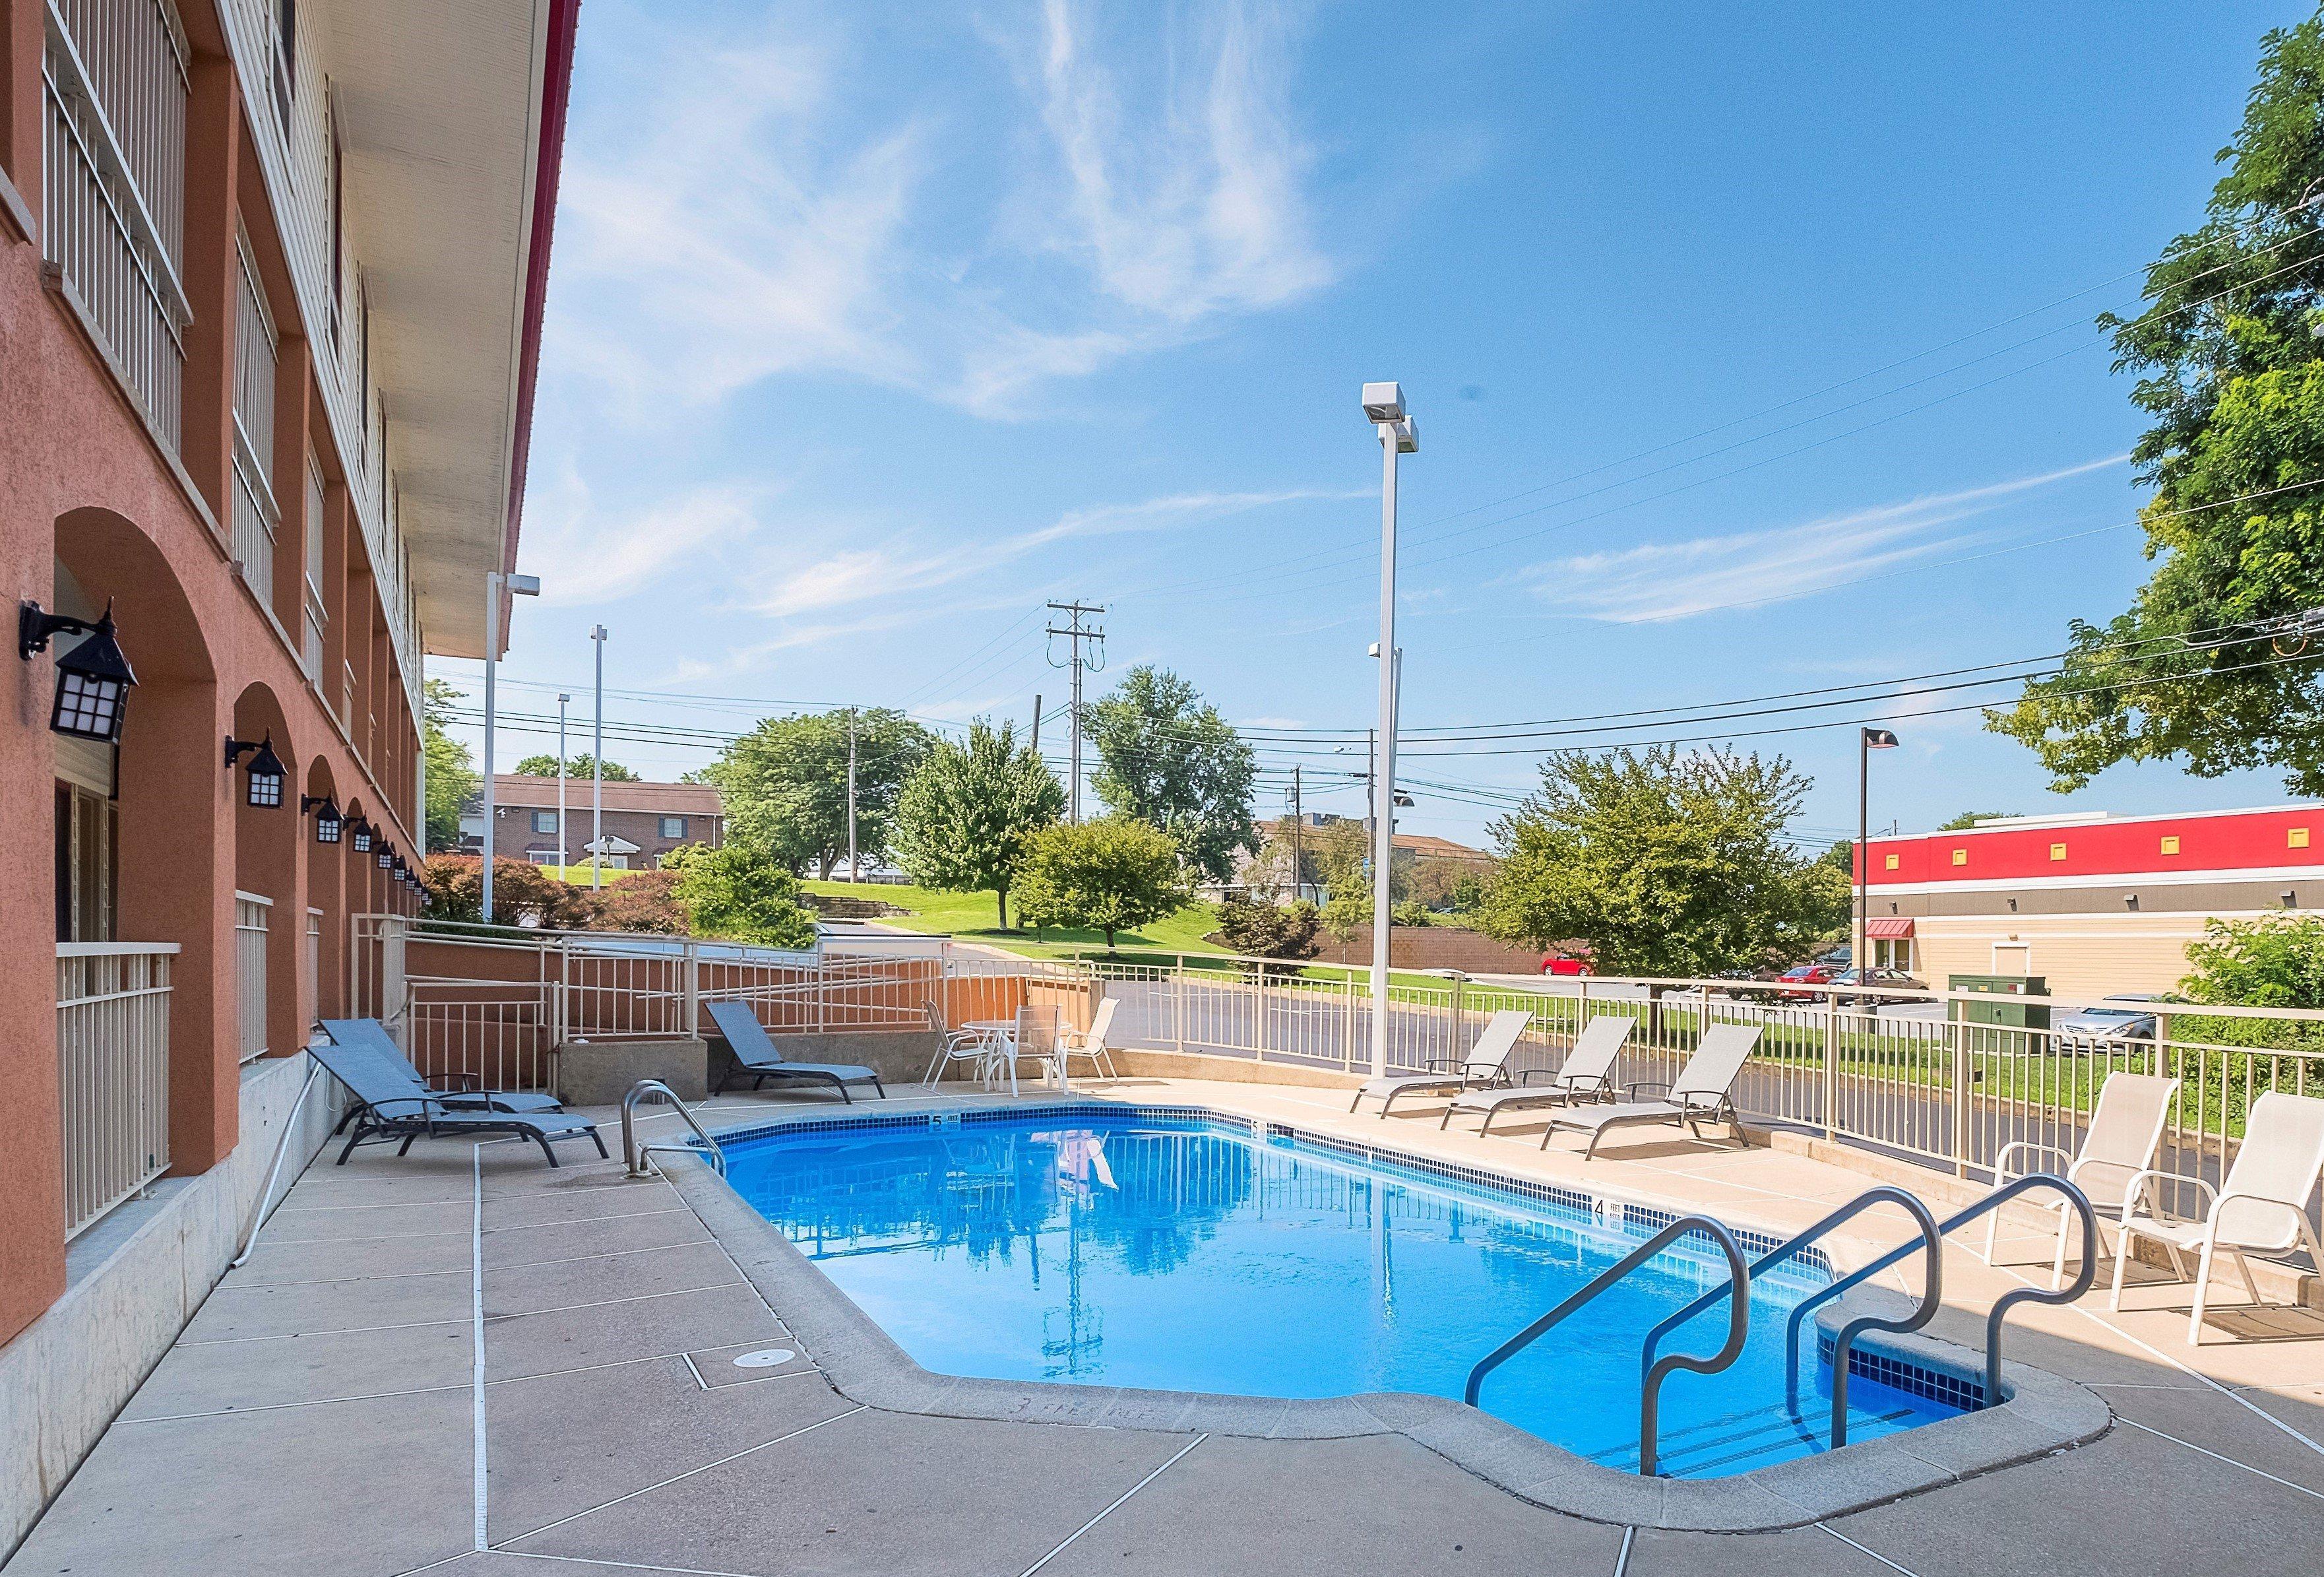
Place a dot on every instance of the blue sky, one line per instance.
(1751, 348)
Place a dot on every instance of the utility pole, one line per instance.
(562, 697)
(496, 585)
(1037, 727)
(597, 770)
(853, 872)
(1078, 663)
(1298, 829)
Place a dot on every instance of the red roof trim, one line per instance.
(555, 99)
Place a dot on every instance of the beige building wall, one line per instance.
(2080, 955)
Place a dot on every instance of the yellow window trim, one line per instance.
(2057, 851)
(2170, 846)
(1961, 856)
(2297, 838)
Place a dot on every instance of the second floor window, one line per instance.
(673, 826)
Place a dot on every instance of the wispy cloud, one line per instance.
(1658, 581)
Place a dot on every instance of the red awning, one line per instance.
(1887, 930)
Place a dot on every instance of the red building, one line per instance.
(2093, 903)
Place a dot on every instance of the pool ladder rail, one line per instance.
(635, 1156)
(1654, 1366)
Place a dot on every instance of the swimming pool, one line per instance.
(1136, 1249)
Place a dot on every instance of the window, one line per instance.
(2057, 851)
(1891, 863)
(2297, 838)
(2170, 846)
(1961, 856)
(544, 821)
(286, 50)
(673, 826)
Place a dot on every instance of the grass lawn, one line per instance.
(974, 917)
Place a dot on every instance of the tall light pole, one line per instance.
(562, 697)
(853, 872)
(522, 586)
(1867, 740)
(597, 769)
(1384, 409)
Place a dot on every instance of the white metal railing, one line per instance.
(251, 913)
(113, 1072)
(113, 206)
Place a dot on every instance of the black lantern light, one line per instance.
(265, 771)
(359, 834)
(325, 811)
(93, 679)
(385, 855)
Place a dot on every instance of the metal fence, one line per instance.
(113, 1072)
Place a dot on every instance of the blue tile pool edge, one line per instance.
(2042, 1413)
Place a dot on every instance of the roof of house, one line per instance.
(1438, 848)
(660, 799)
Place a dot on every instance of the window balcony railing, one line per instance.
(113, 1072)
(251, 913)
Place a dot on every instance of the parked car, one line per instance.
(2109, 1024)
(1895, 980)
(1558, 963)
(1802, 974)
(1741, 986)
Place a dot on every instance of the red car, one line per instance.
(1803, 974)
(1556, 964)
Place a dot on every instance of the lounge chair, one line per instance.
(1586, 1073)
(1487, 1062)
(387, 1107)
(755, 1054)
(2125, 1129)
(952, 1046)
(2262, 1208)
(369, 1035)
(1090, 1044)
(1698, 1095)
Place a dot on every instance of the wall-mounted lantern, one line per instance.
(359, 834)
(385, 855)
(265, 771)
(93, 679)
(328, 824)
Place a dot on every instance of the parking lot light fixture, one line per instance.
(1867, 740)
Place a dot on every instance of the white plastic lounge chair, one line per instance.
(1586, 1073)
(1486, 1064)
(1035, 1039)
(1698, 1095)
(2262, 1208)
(755, 1054)
(2125, 1129)
(952, 1046)
(1090, 1044)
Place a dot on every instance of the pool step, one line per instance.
(1739, 1442)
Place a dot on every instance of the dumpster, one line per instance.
(1999, 1000)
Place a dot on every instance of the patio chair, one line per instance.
(2125, 1129)
(1698, 1095)
(371, 1036)
(1487, 1062)
(755, 1054)
(2262, 1207)
(1587, 1073)
(1038, 1038)
(1090, 1044)
(387, 1107)
(952, 1045)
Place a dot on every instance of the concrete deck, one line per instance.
(406, 1323)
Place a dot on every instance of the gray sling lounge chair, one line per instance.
(1587, 1073)
(369, 1035)
(387, 1107)
(1698, 1095)
(755, 1054)
(1486, 1064)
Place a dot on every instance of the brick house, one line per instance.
(642, 821)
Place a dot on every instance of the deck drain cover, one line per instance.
(765, 1358)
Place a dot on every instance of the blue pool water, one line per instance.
(1187, 1255)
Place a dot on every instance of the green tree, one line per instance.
(1663, 864)
(784, 784)
(1968, 819)
(1168, 758)
(2231, 368)
(452, 780)
(1112, 874)
(581, 766)
(965, 817)
(1267, 930)
(738, 892)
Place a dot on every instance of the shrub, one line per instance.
(523, 894)
(739, 893)
(1266, 931)
(644, 900)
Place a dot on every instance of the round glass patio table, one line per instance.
(1000, 1032)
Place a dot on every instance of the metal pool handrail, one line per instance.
(633, 1154)
(1738, 1324)
(2075, 1197)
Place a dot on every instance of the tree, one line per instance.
(1112, 874)
(784, 784)
(2231, 368)
(1662, 864)
(452, 780)
(1171, 760)
(966, 815)
(581, 766)
(738, 892)
(1267, 930)
(1969, 818)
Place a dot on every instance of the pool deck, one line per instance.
(322, 1414)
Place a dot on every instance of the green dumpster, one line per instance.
(2000, 1000)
